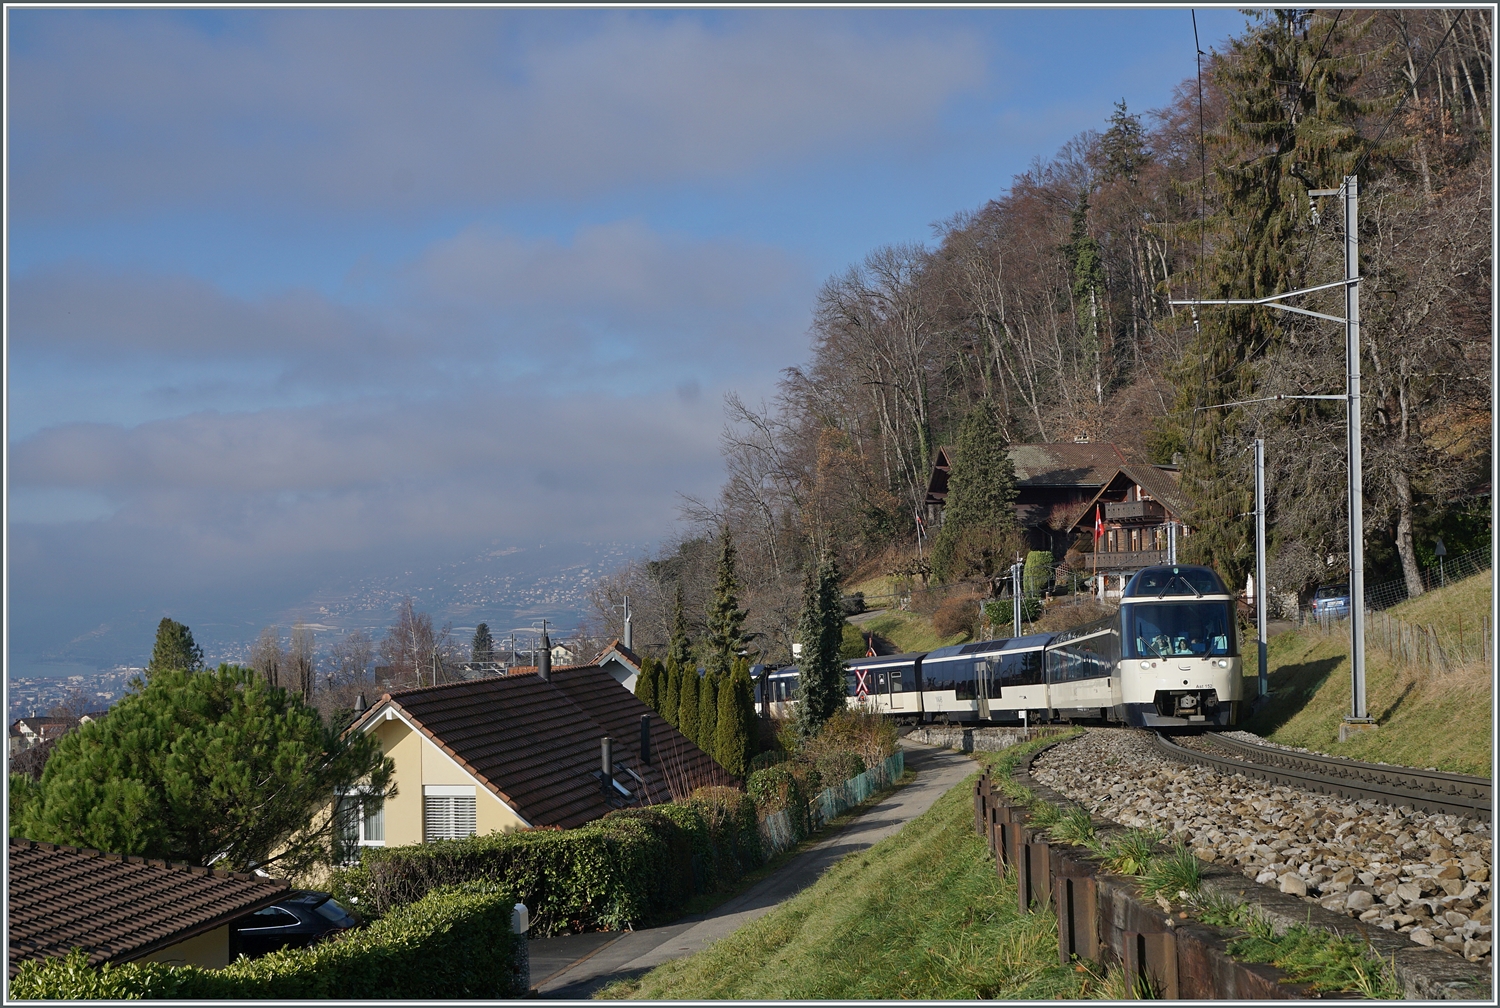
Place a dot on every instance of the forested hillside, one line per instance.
(1051, 303)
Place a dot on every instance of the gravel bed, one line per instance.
(1245, 736)
(1422, 874)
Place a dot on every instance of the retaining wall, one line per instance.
(977, 739)
(1102, 917)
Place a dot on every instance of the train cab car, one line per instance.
(887, 684)
(778, 688)
(1179, 655)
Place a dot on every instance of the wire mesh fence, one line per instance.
(778, 831)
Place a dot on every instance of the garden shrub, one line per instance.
(956, 615)
(839, 765)
(769, 758)
(868, 735)
(452, 944)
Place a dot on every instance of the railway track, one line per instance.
(1428, 790)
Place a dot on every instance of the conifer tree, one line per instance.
(483, 647)
(680, 646)
(821, 630)
(1291, 125)
(174, 648)
(979, 517)
(214, 766)
(645, 683)
(724, 613)
(687, 709)
(734, 743)
(671, 691)
(708, 713)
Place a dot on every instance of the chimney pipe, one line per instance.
(646, 739)
(607, 764)
(544, 657)
(361, 704)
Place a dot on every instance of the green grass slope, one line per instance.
(1426, 719)
(921, 915)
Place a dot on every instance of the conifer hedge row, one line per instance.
(454, 943)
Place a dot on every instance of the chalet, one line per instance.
(503, 753)
(1062, 488)
(120, 908)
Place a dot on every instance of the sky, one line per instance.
(298, 297)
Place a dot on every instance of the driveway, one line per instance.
(573, 967)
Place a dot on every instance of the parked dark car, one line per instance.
(303, 918)
(1331, 600)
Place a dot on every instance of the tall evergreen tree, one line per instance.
(687, 707)
(708, 713)
(1291, 124)
(821, 630)
(979, 517)
(734, 742)
(483, 647)
(680, 647)
(645, 683)
(671, 691)
(724, 613)
(174, 648)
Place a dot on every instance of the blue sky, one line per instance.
(300, 295)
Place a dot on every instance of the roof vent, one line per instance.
(361, 704)
(544, 656)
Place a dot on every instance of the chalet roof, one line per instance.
(117, 907)
(1089, 464)
(534, 743)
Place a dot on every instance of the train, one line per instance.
(1168, 658)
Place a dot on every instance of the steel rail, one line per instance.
(1428, 790)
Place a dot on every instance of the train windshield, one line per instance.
(1178, 629)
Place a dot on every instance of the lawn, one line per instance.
(920, 915)
(1427, 719)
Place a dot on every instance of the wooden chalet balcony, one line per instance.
(1133, 560)
(1135, 512)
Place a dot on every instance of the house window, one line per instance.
(1112, 541)
(448, 812)
(359, 824)
(1135, 540)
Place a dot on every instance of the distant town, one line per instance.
(34, 696)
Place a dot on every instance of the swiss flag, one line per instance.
(1098, 524)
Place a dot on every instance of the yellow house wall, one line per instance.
(420, 762)
(209, 950)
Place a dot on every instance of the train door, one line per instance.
(982, 687)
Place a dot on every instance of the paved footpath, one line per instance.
(573, 967)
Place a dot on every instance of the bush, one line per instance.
(956, 615)
(839, 765)
(454, 943)
(868, 735)
(769, 758)
(633, 866)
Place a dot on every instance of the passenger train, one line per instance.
(1168, 658)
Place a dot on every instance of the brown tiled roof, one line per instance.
(620, 649)
(535, 742)
(116, 907)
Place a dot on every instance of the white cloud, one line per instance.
(390, 109)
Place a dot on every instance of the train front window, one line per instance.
(1179, 630)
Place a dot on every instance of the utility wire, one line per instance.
(1390, 118)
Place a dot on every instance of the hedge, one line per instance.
(454, 943)
(634, 867)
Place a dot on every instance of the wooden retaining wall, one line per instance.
(1103, 918)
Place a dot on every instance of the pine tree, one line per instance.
(672, 692)
(821, 630)
(687, 709)
(680, 647)
(1291, 125)
(483, 647)
(724, 614)
(979, 517)
(734, 743)
(212, 766)
(708, 713)
(645, 683)
(174, 649)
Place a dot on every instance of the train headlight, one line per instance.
(1145, 664)
(1222, 663)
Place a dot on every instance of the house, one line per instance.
(1060, 488)
(504, 753)
(120, 908)
(31, 731)
(620, 662)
